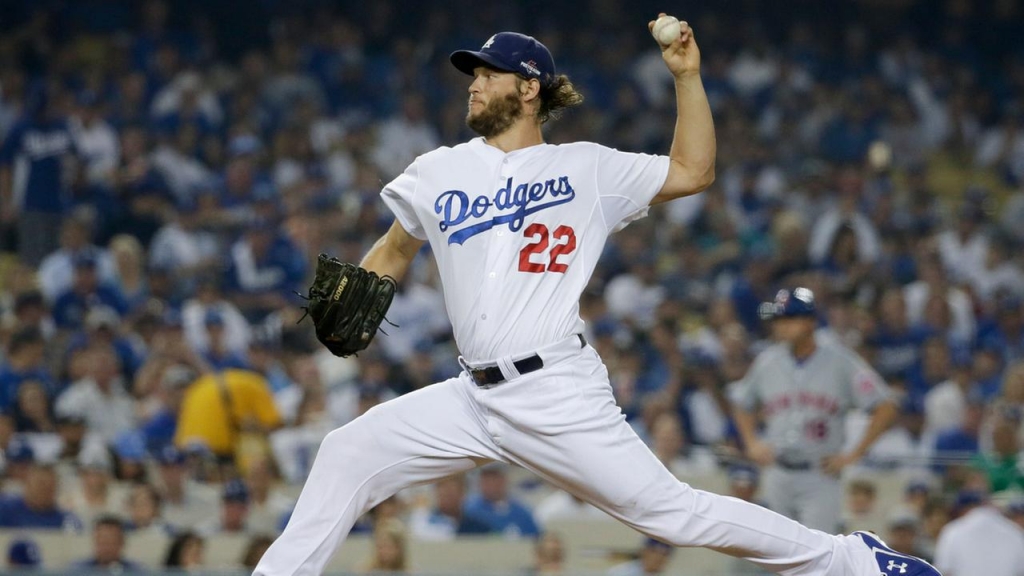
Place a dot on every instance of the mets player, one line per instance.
(804, 386)
(516, 226)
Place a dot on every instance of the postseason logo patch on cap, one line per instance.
(531, 67)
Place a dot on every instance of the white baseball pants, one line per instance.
(562, 423)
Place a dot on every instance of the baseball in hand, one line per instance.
(666, 30)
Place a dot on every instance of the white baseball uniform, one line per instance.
(516, 236)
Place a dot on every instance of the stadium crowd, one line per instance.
(168, 175)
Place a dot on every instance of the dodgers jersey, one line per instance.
(805, 403)
(517, 235)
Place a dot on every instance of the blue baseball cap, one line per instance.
(509, 52)
(235, 491)
(798, 302)
(24, 553)
(170, 456)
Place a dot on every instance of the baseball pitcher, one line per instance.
(517, 226)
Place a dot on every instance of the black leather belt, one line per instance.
(794, 466)
(492, 374)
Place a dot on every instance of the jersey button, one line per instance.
(492, 274)
(483, 316)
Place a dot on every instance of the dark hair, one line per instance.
(25, 337)
(257, 545)
(177, 547)
(109, 520)
(556, 97)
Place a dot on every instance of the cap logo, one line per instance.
(531, 67)
(488, 43)
(803, 294)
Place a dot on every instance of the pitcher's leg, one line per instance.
(416, 438)
(597, 456)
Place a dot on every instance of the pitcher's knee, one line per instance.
(351, 440)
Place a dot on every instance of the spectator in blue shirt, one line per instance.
(955, 448)
(25, 354)
(265, 268)
(40, 142)
(37, 506)
(108, 549)
(86, 291)
(494, 505)
(218, 354)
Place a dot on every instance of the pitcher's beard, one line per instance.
(498, 116)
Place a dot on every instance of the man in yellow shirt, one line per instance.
(206, 419)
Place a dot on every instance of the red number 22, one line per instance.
(539, 234)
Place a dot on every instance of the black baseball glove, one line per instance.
(347, 304)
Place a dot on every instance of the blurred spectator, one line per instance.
(186, 552)
(403, 137)
(31, 411)
(935, 514)
(669, 444)
(43, 140)
(209, 304)
(108, 549)
(99, 395)
(86, 291)
(24, 555)
(266, 503)
(652, 559)
(980, 541)
(130, 260)
(24, 361)
(548, 556)
(95, 493)
(933, 288)
(1001, 462)
(265, 268)
(219, 405)
(965, 248)
(258, 544)
(20, 459)
(946, 403)
(30, 311)
(496, 507)
(902, 532)
(634, 296)
(234, 511)
(37, 506)
(390, 553)
(448, 517)
(217, 354)
(419, 311)
(57, 270)
(144, 511)
(954, 448)
(861, 499)
(162, 423)
(185, 501)
(96, 140)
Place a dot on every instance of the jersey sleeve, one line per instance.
(867, 388)
(398, 195)
(626, 184)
